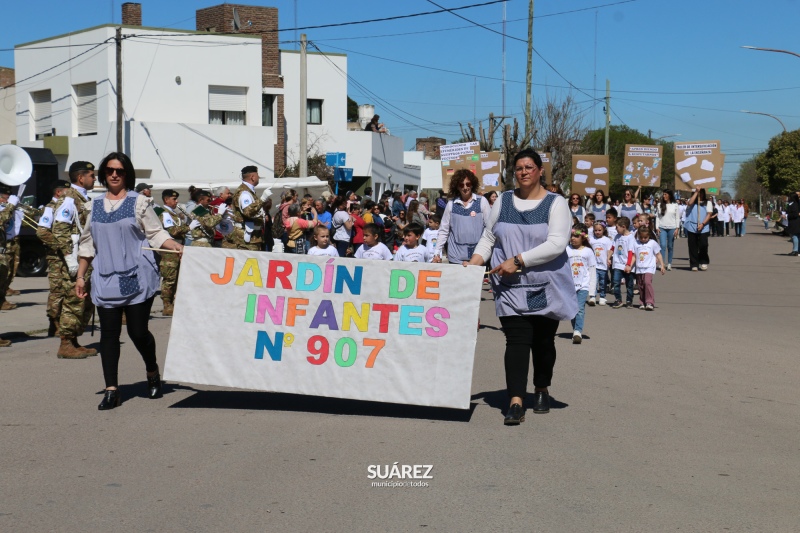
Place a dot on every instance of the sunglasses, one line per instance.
(121, 172)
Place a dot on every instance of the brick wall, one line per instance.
(430, 146)
(254, 20)
(6, 76)
(131, 14)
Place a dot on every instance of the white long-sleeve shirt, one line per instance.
(558, 231)
(671, 218)
(444, 227)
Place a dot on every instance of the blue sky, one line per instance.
(654, 53)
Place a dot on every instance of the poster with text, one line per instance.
(449, 152)
(342, 328)
(642, 165)
(699, 164)
(590, 173)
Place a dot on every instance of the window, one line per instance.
(267, 112)
(86, 103)
(42, 114)
(227, 105)
(314, 111)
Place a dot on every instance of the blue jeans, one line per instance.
(602, 280)
(666, 238)
(795, 243)
(744, 226)
(577, 322)
(618, 275)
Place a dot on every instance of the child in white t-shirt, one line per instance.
(622, 263)
(648, 257)
(611, 223)
(602, 246)
(322, 241)
(582, 262)
(431, 235)
(411, 251)
(373, 248)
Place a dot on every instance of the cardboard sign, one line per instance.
(342, 328)
(698, 164)
(487, 167)
(590, 173)
(449, 152)
(642, 165)
(547, 166)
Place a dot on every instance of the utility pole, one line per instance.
(608, 112)
(119, 89)
(529, 75)
(303, 107)
(504, 58)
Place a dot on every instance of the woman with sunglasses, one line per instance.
(630, 207)
(576, 208)
(125, 277)
(526, 239)
(463, 220)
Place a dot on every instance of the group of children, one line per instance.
(418, 245)
(626, 248)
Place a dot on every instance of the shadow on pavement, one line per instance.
(498, 399)
(276, 401)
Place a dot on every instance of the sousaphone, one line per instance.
(16, 166)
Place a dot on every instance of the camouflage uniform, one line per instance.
(171, 263)
(12, 259)
(200, 234)
(45, 234)
(75, 312)
(6, 218)
(251, 216)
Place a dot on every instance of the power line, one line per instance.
(72, 58)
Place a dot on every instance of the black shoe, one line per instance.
(541, 403)
(514, 416)
(617, 304)
(629, 305)
(154, 386)
(111, 400)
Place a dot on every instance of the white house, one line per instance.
(198, 105)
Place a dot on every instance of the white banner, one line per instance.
(342, 328)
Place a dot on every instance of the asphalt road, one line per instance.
(682, 419)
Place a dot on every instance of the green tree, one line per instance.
(618, 137)
(352, 110)
(778, 168)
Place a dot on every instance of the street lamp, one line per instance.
(772, 50)
(766, 115)
(668, 136)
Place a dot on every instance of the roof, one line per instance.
(148, 28)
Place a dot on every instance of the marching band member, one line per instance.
(8, 203)
(203, 226)
(44, 232)
(173, 222)
(248, 214)
(70, 217)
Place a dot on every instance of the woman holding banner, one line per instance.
(698, 213)
(125, 278)
(464, 219)
(526, 239)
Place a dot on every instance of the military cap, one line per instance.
(143, 186)
(202, 192)
(249, 169)
(169, 193)
(61, 184)
(5, 189)
(79, 166)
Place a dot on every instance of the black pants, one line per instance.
(110, 329)
(526, 335)
(698, 249)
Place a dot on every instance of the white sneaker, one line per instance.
(602, 301)
(703, 267)
(694, 269)
(576, 337)
(669, 266)
(591, 301)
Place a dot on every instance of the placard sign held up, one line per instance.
(699, 164)
(642, 165)
(590, 174)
